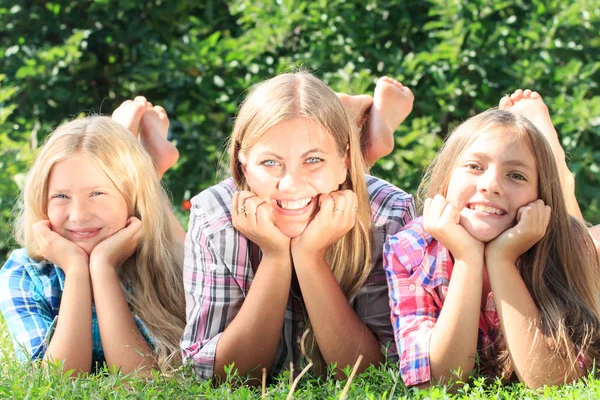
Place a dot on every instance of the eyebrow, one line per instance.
(315, 150)
(510, 163)
(275, 155)
(84, 189)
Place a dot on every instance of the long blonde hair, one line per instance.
(301, 95)
(560, 271)
(152, 277)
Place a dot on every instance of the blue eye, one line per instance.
(97, 193)
(314, 160)
(269, 163)
(60, 196)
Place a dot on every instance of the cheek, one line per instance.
(56, 216)
(260, 181)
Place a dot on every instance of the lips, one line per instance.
(293, 204)
(294, 207)
(491, 209)
(84, 233)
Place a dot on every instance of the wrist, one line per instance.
(499, 258)
(100, 269)
(77, 272)
(277, 257)
(303, 257)
(474, 257)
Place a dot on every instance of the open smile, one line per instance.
(487, 209)
(294, 207)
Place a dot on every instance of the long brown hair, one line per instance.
(562, 270)
(301, 95)
(152, 278)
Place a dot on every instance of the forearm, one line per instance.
(71, 342)
(252, 338)
(533, 361)
(123, 344)
(453, 344)
(339, 332)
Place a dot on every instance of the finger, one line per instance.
(547, 215)
(42, 229)
(326, 204)
(251, 205)
(339, 201)
(134, 223)
(353, 203)
(427, 205)
(264, 214)
(243, 197)
(234, 204)
(449, 212)
(437, 206)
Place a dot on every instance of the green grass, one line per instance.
(28, 381)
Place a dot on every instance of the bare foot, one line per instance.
(154, 128)
(151, 125)
(356, 107)
(392, 102)
(129, 114)
(530, 105)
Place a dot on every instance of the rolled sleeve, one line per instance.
(29, 319)
(213, 298)
(414, 312)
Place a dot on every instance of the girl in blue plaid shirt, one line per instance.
(99, 277)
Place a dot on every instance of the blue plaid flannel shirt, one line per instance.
(30, 293)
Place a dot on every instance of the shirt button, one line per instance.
(213, 267)
(411, 286)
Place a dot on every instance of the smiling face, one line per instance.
(83, 204)
(289, 166)
(495, 176)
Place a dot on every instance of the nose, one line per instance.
(291, 180)
(490, 182)
(78, 211)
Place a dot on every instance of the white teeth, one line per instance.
(293, 205)
(486, 209)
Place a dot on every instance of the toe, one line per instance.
(506, 102)
(517, 95)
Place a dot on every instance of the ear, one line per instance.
(344, 171)
(347, 157)
(242, 161)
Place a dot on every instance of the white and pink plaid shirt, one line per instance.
(218, 274)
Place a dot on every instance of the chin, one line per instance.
(292, 230)
(484, 233)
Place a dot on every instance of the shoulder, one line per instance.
(383, 194)
(216, 198)
(211, 208)
(389, 202)
(22, 272)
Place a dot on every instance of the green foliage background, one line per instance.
(61, 59)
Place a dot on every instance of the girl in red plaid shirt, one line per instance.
(501, 267)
